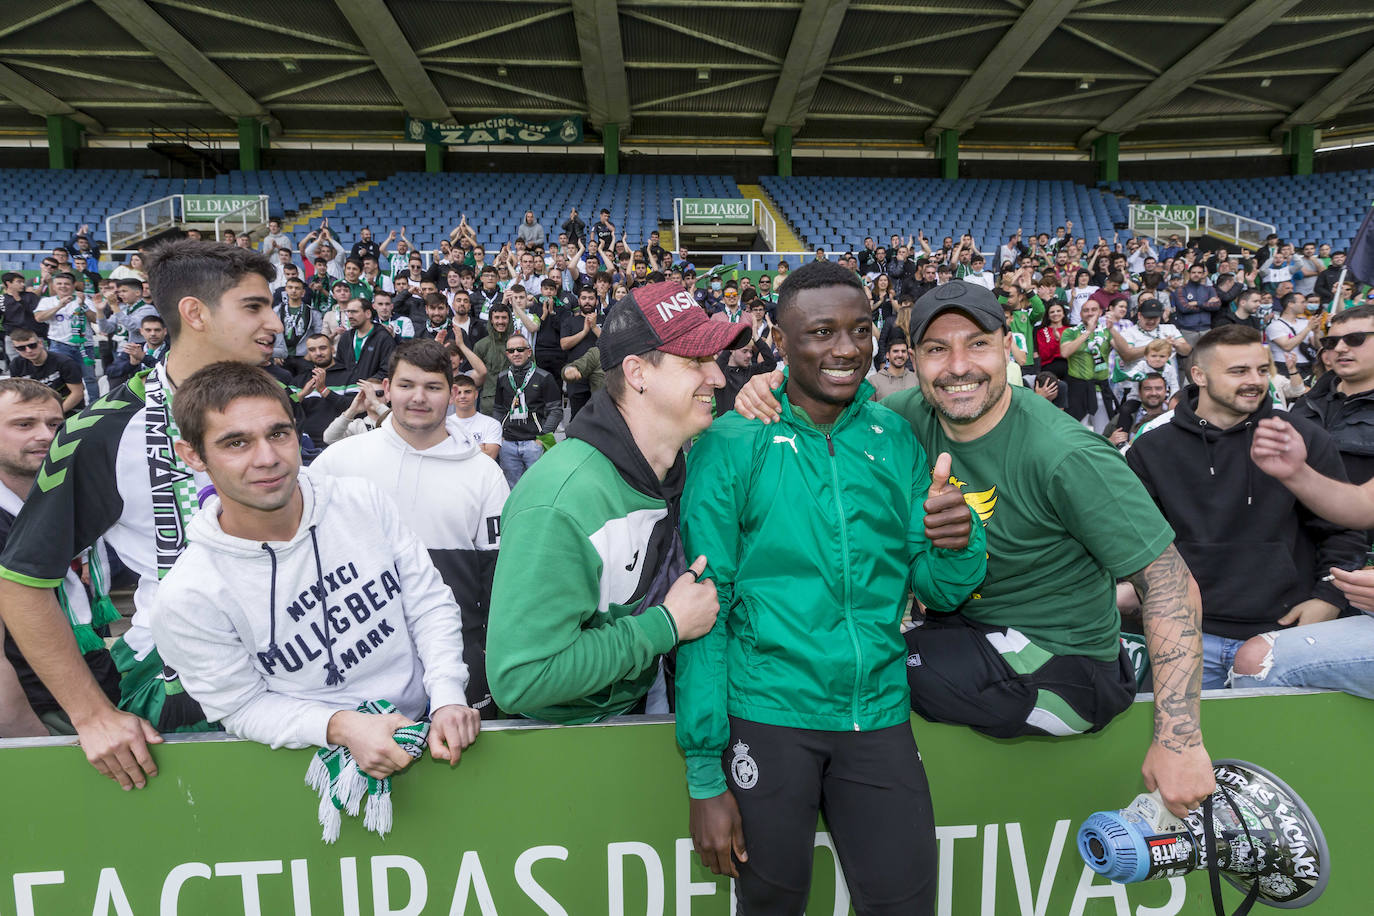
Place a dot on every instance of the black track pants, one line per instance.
(872, 788)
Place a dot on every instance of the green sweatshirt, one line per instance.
(812, 539)
(572, 532)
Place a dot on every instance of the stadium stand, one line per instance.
(429, 205)
(48, 205)
(1326, 207)
(823, 211)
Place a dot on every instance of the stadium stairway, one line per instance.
(787, 240)
(348, 192)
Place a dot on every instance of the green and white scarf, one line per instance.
(342, 786)
(172, 483)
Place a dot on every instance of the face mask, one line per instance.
(715, 286)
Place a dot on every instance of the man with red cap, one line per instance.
(591, 588)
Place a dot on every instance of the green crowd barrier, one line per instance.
(593, 820)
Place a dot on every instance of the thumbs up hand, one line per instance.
(948, 521)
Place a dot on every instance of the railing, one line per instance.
(146, 219)
(27, 254)
(768, 227)
(1154, 225)
(1232, 227)
(760, 218)
(251, 215)
(757, 260)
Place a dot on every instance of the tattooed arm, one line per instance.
(1176, 763)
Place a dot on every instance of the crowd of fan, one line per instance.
(1089, 321)
(1104, 329)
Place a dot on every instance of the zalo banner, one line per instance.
(1184, 215)
(205, 207)
(592, 821)
(720, 211)
(560, 132)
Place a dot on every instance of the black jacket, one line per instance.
(320, 408)
(1326, 282)
(543, 403)
(1254, 550)
(18, 313)
(1349, 420)
(375, 359)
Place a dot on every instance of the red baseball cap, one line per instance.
(664, 316)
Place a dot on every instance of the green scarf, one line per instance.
(334, 774)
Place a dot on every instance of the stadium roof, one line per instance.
(1007, 73)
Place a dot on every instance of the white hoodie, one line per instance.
(451, 494)
(395, 628)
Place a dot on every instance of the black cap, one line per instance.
(975, 301)
(1150, 309)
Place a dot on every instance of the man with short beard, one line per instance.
(1138, 411)
(322, 386)
(1036, 651)
(363, 349)
(472, 327)
(491, 349)
(448, 492)
(579, 332)
(1260, 558)
(896, 375)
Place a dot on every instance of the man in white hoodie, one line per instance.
(446, 489)
(298, 598)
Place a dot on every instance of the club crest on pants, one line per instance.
(743, 768)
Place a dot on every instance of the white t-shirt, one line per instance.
(1281, 329)
(1077, 296)
(1138, 337)
(480, 428)
(60, 324)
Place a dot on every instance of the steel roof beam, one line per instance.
(184, 59)
(1002, 63)
(38, 101)
(807, 55)
(1205, 56)
(1334, 97)
(376, 28)
(603, 62)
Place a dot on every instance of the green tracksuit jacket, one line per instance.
(576, 627)
(812, 540)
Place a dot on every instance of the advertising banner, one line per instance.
(559, 132)
(720, 211)
(593, 820)
(205, 207)
(1186, 216)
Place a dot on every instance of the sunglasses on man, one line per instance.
(1351, 340)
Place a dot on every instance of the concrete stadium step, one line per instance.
(787, 240)
(304, 217)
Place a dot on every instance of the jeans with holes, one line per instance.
(516, 458)
(1333, 655)
(1218, 654)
